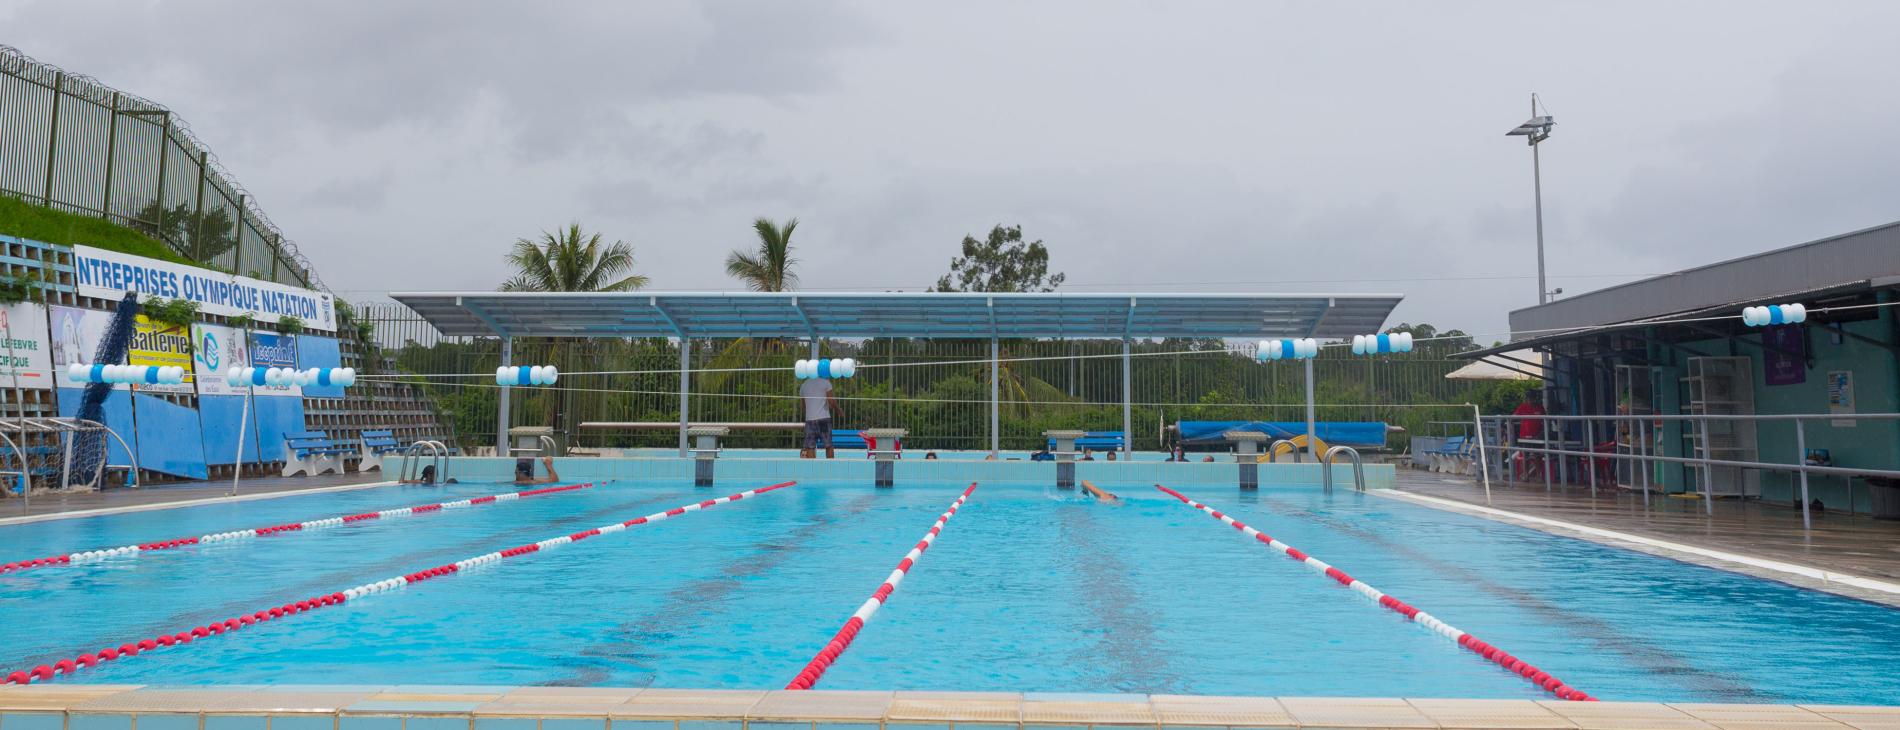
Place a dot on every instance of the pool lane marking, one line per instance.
(198, 502)
(1477, 646)
(68, 666)
(849, 632)
(93, 556)
(1601, 535)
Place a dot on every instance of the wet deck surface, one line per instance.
(44, 504)
(1840, 542)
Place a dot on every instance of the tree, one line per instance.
(769, 268)
(1002, 263)
(202, 236)
(571, 260)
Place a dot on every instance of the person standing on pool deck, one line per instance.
(819, 404)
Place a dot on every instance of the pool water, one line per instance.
(1027, 589)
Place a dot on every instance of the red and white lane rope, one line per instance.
(69, 666)
(93, 556)
(842, 640)
(1524, 669)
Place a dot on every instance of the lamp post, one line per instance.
(1534, 131)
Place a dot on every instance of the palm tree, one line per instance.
(571, 260)
(770, 267)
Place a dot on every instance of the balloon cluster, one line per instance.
(144, 374)
(526, 375)
(1774, 314)
(807, 369)
(1287, 349)
(341, 377)
(1380, 344)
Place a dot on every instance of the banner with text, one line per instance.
(109, 275)
(77, 332)
(26, 357)
(161, 344)
(214, 350)
(275, 351)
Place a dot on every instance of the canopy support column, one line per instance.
(1128, 389)
(686, 379)
(995, 415)
(501, 408)
(1311, 430)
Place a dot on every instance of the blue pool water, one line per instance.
(1028, 589)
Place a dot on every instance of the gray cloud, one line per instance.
(1193, 145)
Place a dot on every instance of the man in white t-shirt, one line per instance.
(818, 404)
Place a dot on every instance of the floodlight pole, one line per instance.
(501, 409)
(1311, 428)
(1537, 185)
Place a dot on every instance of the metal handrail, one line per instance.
(410, 469)
(440, 460)
(1358, 467)
(548, 446)
(1705, 461)
(1273, 450)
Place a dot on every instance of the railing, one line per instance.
(1643, 439)
(410, 468)
(1358, 467)
(1273, 450)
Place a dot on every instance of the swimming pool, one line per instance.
(1027, 589)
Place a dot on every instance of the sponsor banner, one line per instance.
(76, 335)
(275, 351)
(161, 344)
(26, 353)
(214, 350)
(109, 275)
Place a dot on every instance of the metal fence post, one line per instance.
(112, 150)
(1801, 457)
(52, 140)
(237, 238)
(1484, 462)
(501, 407)
(198, 209)
(1590, 447)
(164, 154)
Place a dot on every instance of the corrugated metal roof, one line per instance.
(1860, 256)
(900, 314)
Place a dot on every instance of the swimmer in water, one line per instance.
(1099, 493)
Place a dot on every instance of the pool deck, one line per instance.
(317, 707)
(13, 510)
(1840, 547)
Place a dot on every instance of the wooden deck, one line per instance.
(1839, 542)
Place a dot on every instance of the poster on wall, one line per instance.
(270, 350)
(76, 334)
(1840, 396)
(25, 352)
(160, 344)
(1784, 354)
(214, 350)
(109, 275)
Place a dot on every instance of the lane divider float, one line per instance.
(842, 640)
(93, 556)
(45, 672)
(1472, 643)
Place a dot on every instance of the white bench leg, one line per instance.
(292, 464)
(368, 460)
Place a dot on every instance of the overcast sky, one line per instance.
(1241, 146)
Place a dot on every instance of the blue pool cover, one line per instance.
(1348, 433)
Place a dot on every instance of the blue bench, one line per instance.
(1096, 441)
(847, 439)
(313, 453)
(374, 445)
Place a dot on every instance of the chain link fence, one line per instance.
(939, 389)
(71, 143)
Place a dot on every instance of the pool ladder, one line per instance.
(1358, 467)
(412, 461)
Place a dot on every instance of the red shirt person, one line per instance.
(1529, 428)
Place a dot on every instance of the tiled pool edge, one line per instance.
(200, 502)
(318, 707)
(1803, 576)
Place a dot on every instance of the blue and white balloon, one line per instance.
(1289, 349)
(1774, 314)
(126, 374)
(1382, 343)
(827, 368)
(527, 375)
